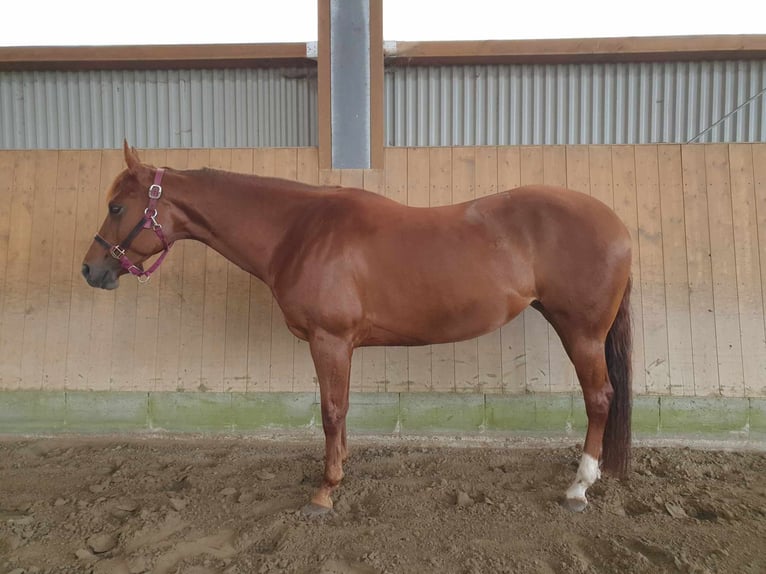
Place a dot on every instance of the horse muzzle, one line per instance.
(101, 277)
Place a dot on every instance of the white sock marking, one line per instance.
(587, 473)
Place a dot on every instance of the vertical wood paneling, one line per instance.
(16, 269)
(83, 350)
(418, 171)
(489, 346)
(38, 277)
(192, 300)
(513, 354)
(649, 258)
(624, 193)
(440, 193)
(64, 270)
(724, 272)
(701, 303)
(759, 177)
(463, 189)
(695, 214)
(7, 163)
(397, 364)
(748, 264)
(676, 271)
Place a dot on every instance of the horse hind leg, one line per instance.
(590, 364)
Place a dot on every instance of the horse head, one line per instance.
(122, 245)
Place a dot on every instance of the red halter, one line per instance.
(149, 221)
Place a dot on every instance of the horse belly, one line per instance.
(440, 315)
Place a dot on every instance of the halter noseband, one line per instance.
(149, 221)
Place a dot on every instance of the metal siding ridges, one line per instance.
(158, 108)
(424, 106)
(615, 103)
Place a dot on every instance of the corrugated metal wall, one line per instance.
(575, 103)
(158, 108)
(671, 102)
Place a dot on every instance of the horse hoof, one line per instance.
(575, 504)
(313, 510)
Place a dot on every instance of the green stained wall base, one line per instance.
(35, 412)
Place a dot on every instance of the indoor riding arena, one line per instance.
(179, 426)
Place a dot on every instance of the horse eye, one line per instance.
(115, 209)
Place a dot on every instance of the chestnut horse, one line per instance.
(350, 268)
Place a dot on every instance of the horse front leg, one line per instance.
(332, 360)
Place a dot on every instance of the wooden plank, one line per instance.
(354, 178)
(759, 177)
(512, 335)
(440, 193)
(103, 316)
(171, 298)
(749, 268)
(397, 367)
(16, 271)
(704, 351)
(89, 348)
(652, 279)
(724, 272)
(304, 374)
(626, 207)
(490, 350)
(282, 340)
(9, 162)
(214, 313)
(600, 166)
(578, 168)
(464, 189)
(373, 359)
(192, 300)
(147, 305)
(64, 270)
(418, 196)
(562, 373)
(535, 326)
(676, 271)
(39, 274)
(237, 304)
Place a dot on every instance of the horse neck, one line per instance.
(244, 218)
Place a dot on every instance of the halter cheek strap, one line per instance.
(149, 221)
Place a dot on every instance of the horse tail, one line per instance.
(618, 346)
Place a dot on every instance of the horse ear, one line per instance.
(131, 157)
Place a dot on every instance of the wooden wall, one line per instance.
(697, 215)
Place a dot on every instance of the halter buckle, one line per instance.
(155, 191)
(117, 252)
